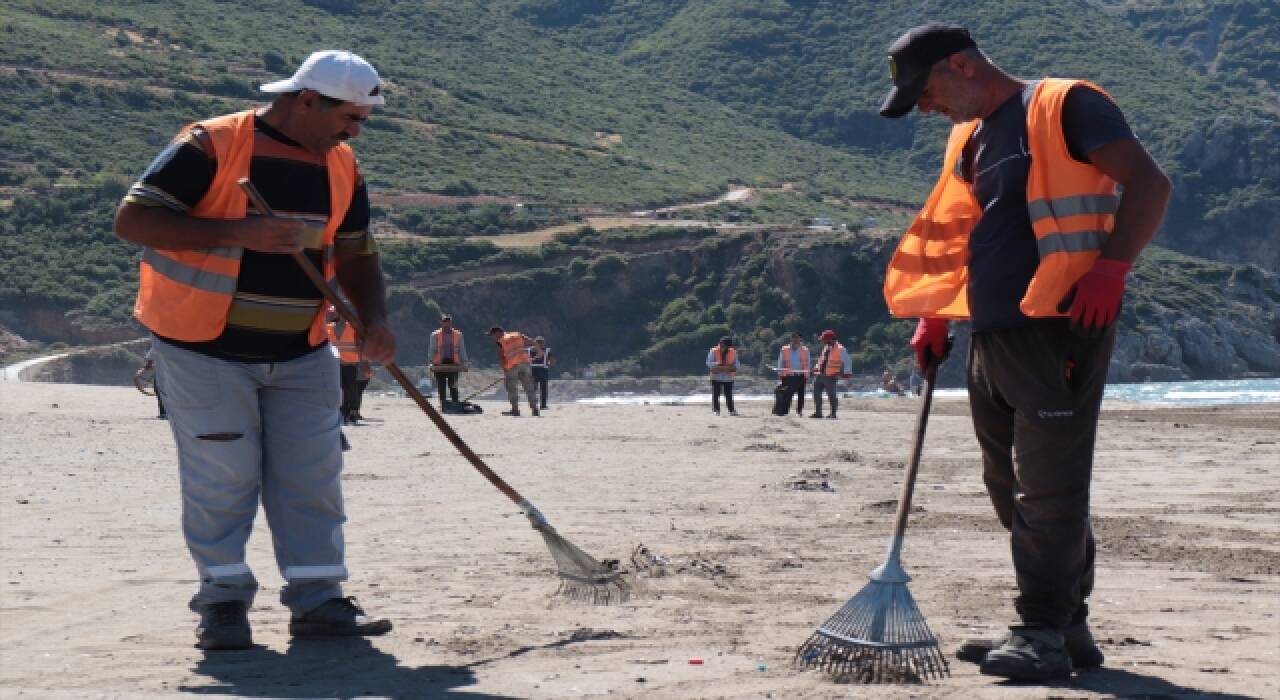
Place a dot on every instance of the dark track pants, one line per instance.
(716, 389)
(541, 375)
(447, 380)
(348, 375)
(1035, 394)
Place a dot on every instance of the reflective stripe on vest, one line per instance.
(786, 360)
(437, 358)
(186, 294)
(1072, 208)
(513, 350)
(539, 360)
(732, 359)
(835, 360)
(346, 343)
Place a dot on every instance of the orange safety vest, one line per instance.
(732, 359)
(186, 294)
(786, 360)
(457, 343)
(1072, 207)
(513, 350)
(835, 359)
(343, 337)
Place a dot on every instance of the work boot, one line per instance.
(535, 410)
(512, 412)
(1030, 653)
(224, 626)
(338, 617)
(832, 415)
(1078, 640)
(815, 415)
(733, 413)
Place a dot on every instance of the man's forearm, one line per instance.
(361, 279)
(166, 229)
(1141, 209)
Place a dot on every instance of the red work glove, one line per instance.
(1098, 293)
(930, 341)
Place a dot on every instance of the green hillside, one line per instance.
(477, 102)
(590, 107)
(1196, 80)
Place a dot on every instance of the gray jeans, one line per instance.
(1035, 393)
(825, 383)
(249, 432)
(514, 378)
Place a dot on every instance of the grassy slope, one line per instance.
(477, 101)
(817, 69)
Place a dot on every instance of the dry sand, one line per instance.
(96, 577)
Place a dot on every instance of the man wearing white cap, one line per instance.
(239, 331)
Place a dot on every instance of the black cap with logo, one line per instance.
(911, 57)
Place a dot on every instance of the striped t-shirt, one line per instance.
(274, 302)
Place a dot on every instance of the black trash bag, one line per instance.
(782, 400)
(461, 408)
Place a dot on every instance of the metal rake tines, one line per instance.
(877, 637)
(582, 578)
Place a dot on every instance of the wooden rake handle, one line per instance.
(917, 446)
(350, 317)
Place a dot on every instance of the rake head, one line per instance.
(582, 577)
(879, 636)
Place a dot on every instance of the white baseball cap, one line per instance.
(341, 75)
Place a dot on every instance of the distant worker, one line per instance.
(793, 370)
(364, 375)
(890, 383)
(343, 337)
(1025, 235)
(832, 365)
(448, 354)
(149, 366)
(722, 361)
(513, 355)
(541, 359)
(250, 386)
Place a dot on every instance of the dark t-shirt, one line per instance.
(275, 302)
(996, 161)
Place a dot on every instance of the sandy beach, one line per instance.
(96, 577)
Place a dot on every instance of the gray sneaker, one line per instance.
(1079, 642)
(338, 617)
(224, 626)
(1030, 654)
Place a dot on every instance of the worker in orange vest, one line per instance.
(448, 353)
(250, 387)
(1026, 236)
(832, 365)
(517, 370)
(723, 365)
(793, 371)
(343, 337)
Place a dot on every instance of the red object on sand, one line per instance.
(695, 661)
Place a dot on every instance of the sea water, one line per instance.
(1197, 393)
